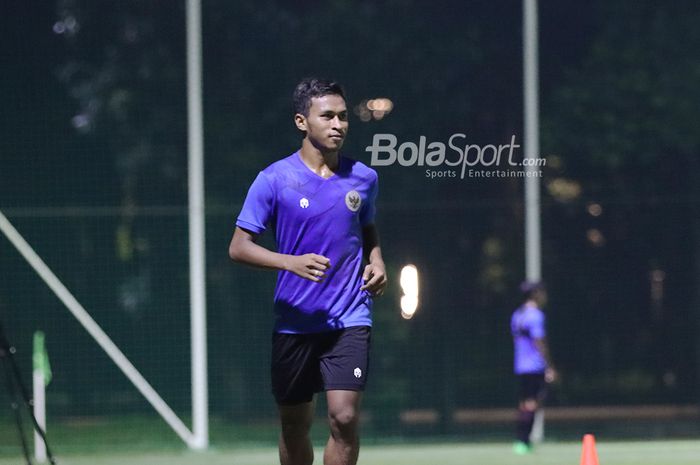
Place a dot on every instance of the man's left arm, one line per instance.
(374, 275)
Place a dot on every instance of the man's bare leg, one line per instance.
(295, 444)
(343, 445)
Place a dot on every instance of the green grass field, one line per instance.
(147, 440)
(614, 453)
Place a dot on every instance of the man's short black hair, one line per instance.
(528, 289)
(312, 87)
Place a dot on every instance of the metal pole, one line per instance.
(533, 253)
(533, 257)
(39, 390)
(200, 413)
(93, 328)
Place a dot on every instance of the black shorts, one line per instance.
(304, 364)
(532, 386)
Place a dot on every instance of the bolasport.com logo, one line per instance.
(456, 159)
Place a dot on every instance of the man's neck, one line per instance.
(325, 164)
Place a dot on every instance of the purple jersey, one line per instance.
(526, 325)
(310, 214)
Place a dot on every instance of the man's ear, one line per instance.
(300, 121)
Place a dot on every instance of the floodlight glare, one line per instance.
(409, 286)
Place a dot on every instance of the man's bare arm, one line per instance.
(551, 374)
(374, 274)
(244, 249)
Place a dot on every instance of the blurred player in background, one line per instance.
(532, 363)
(320, 205)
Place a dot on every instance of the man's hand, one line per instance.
(375, 280)
(310, 266)
(551, 375)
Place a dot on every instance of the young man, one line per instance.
(533, 366)
(320, 206)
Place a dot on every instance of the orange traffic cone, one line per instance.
(588, 455)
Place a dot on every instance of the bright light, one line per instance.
(376, 108)
(409, 285)
(564, 190)
(409, 280)
(594, 209)
(595, 237)
(380, 104)
(409, 304)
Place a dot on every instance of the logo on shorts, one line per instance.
(304, 202)
(358, 373)
(353, 201)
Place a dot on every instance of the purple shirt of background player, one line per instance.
(527, 326)
(311, 214)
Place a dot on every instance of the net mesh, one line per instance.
(93, 174)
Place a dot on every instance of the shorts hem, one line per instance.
(343, 387)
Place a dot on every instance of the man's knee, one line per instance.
(343, 420)
(529, 405)
(295, 429)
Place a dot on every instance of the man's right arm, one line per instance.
(244, 249)
(551, 374)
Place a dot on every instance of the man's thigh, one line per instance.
(294, 368)
(344, 364)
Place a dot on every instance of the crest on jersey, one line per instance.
(353, 201)
(304, 203)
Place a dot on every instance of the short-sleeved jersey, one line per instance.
(528, 324)
(311, 214)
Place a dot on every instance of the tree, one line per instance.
(622, 124)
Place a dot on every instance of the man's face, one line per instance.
(327, 123)
(541, 297)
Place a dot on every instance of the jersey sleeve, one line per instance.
(369, 209)
(537, 326)
(258, 207)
